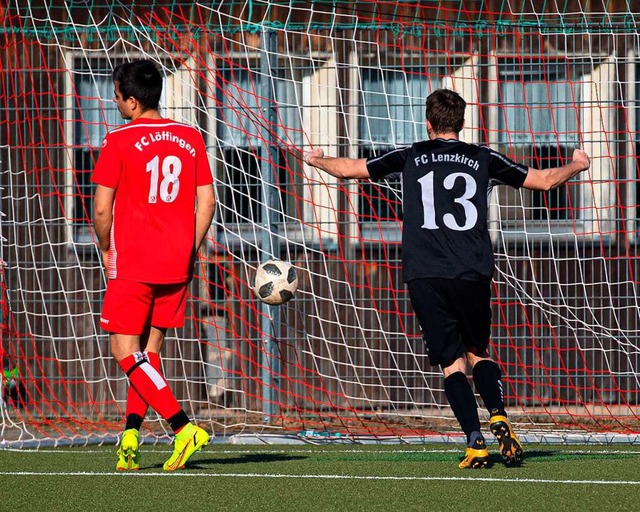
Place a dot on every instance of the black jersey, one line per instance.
(446, 185)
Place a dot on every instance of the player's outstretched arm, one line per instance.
(553, 177)
(340, 167)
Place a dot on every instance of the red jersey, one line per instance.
(155, 166)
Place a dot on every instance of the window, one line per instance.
(94, 113)
(538, 124)
(392, 105)
(552, 205)
(379, 201)
(391, 114)
(245, 145)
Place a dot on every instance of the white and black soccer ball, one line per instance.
(275, 282)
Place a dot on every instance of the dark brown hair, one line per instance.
(445, 111)
(141, 80)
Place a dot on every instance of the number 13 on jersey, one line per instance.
(429, 202)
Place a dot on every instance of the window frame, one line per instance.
(589, 214)
(632, 210)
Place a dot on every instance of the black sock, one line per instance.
(487, 379)
(462, 402)
(133, 421)
(476, 440)
(178, 420)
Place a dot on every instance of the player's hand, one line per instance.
(105, 259)
(309, 156)
(581, 158)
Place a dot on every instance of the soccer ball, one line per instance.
(275, 282)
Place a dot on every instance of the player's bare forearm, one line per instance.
(339, 167)
(548, 179)
(103, 215)
(204, 213)
(203, 223)
(103, 231)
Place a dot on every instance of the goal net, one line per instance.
(264, 82)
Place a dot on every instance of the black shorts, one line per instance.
(454, 315)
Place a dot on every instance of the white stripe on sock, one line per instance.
(154, 375)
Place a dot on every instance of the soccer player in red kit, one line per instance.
(153, 205)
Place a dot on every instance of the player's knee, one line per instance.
(458, 365)
(474, 355)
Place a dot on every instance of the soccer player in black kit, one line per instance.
(448, 260)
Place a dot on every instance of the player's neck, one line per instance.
(445, 136)
(147, 114)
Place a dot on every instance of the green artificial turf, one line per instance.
(322, 478)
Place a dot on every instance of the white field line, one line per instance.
(138, 474)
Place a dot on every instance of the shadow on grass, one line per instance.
(254, 457)
(495, 459)
(199, 462)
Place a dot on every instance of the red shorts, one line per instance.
(130, 306)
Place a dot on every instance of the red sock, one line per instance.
(150, 385)
(135, 403)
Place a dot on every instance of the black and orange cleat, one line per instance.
(476, 456)
(510, 446)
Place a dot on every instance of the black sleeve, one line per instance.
(505, 171)
(391, 163)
